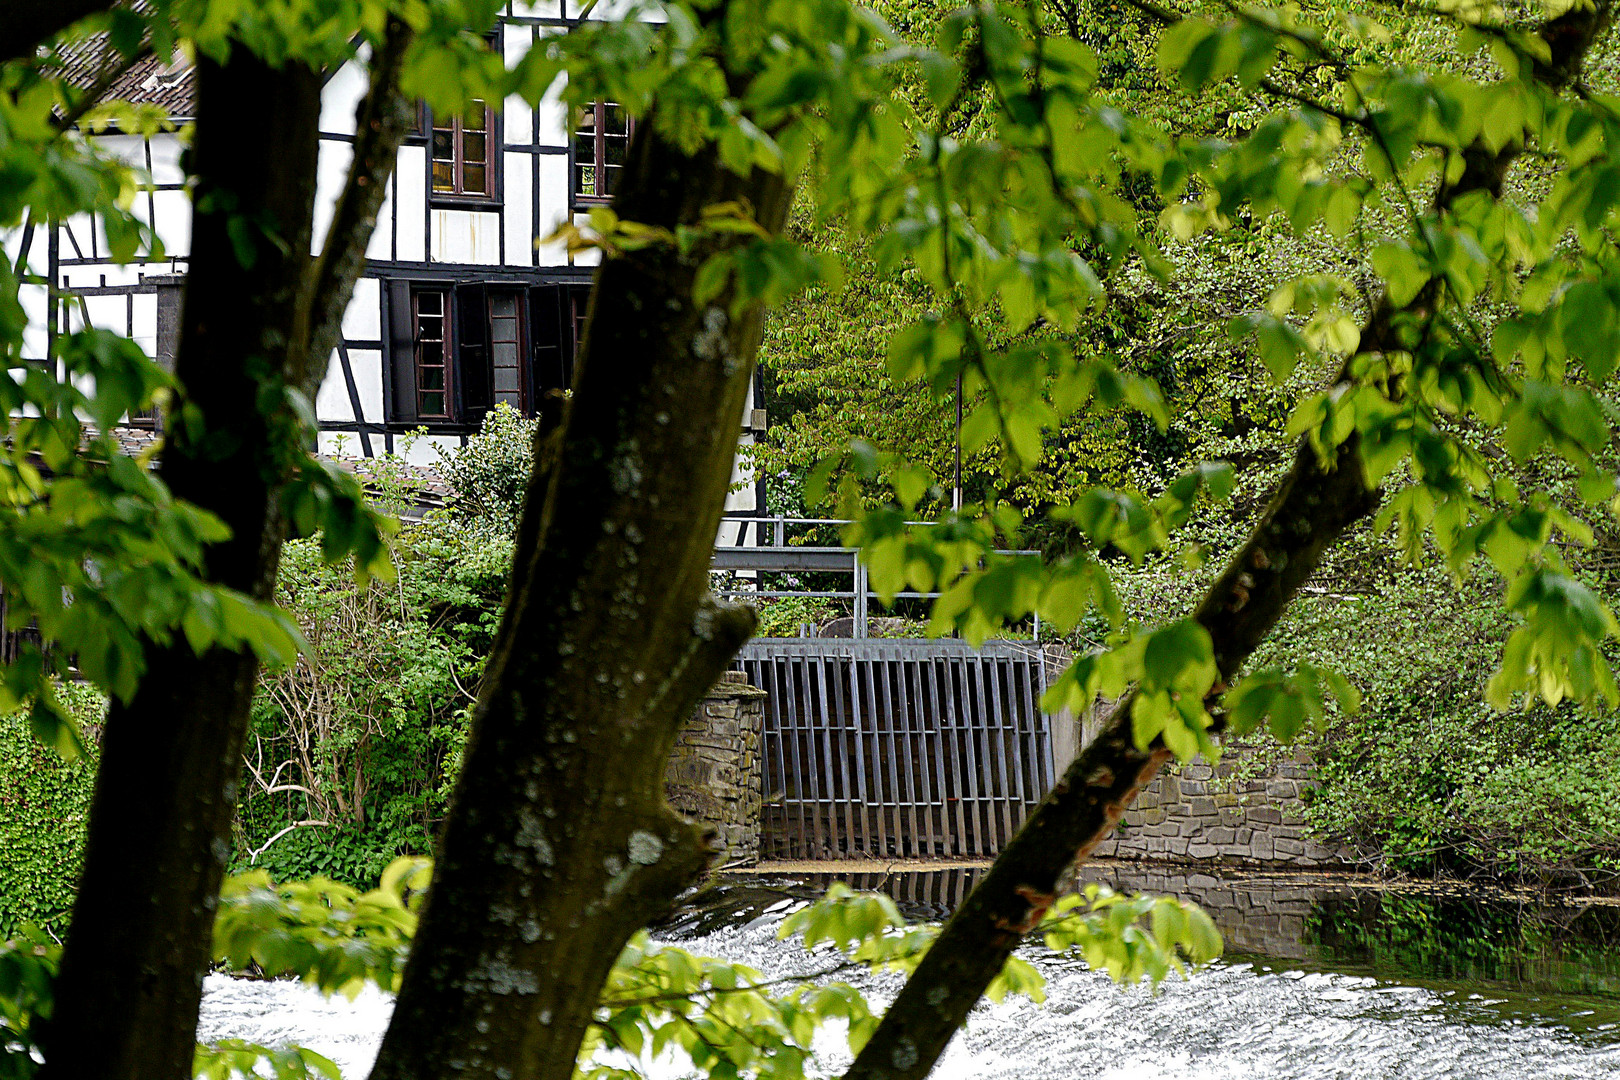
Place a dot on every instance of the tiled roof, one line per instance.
(431, 489)
(169, 82)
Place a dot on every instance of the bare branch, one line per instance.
(381, 120)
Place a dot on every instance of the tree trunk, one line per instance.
(140, 940)
(560, 844)
(1310, 511)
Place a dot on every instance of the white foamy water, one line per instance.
(1230, 1022)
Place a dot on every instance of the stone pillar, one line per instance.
(714, 774)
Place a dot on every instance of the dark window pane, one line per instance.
(610, 180)
(444, 144)
(433, 404)
(472, 179)
(613, 150)
(615, 121)
(429, 302)
(432, 378)
(474, 147)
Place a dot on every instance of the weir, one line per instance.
(900, 748)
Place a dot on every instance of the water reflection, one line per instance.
(1324, 980)
(1510, 955)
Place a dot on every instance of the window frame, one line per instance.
(599, 154)
(401, 355)
(492, 158)
(448, 354)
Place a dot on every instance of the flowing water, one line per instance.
(1322, 981)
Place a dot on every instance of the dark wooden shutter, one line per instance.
(550, 345)
(473, 381)
(579, 299)
(401, 353)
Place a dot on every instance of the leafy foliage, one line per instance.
(354, 747)
(489, 475)
(44, 809)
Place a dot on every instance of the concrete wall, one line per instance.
(714, 773)
(1238, 813)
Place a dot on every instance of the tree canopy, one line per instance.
(1443, 371)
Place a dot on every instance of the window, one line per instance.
(462, 150)
(431, 354)
(455, 351)
(601, 143)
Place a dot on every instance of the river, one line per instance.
(1323, 980)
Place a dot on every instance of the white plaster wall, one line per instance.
(466, 236)
(368, 380)
(363, 319)
(145, 323)
(519, 210)
(380, 246)
(332, 399)
(553, 208)
(166, 150)
(331, 172)
(339, 98)
(410, 183)
(173, 223)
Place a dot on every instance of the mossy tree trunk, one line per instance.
(159, 837)
(560, 844)
(252, 323)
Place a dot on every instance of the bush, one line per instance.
(44, 809)
(353, 750)
(489, 475)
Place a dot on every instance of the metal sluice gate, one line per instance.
(897, 748)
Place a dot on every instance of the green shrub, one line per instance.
(489, 475)
(353, 750)
(44, 809)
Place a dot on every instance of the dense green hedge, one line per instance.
(44, 807)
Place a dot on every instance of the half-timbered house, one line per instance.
(463, 304)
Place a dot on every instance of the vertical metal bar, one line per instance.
(828, 768)
(883, 718)
(945, 761)
(855, 746)
(1006, 740)
(951, 754)
(898, 704)
(811, 777)
(904, 838)
(918, 789)
(860, 597)
(968, 733)
(994, 761)
(1022, 750)
(793, 786)
(1048, 748)
(771, 683)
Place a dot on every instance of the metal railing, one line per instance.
(774, 552)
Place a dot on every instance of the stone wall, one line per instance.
(1238, 813)
(1268, 915)
(714, 772)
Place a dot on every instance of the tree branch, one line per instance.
(381, 120)
(1316, 503)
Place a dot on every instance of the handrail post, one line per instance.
(860, 597)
